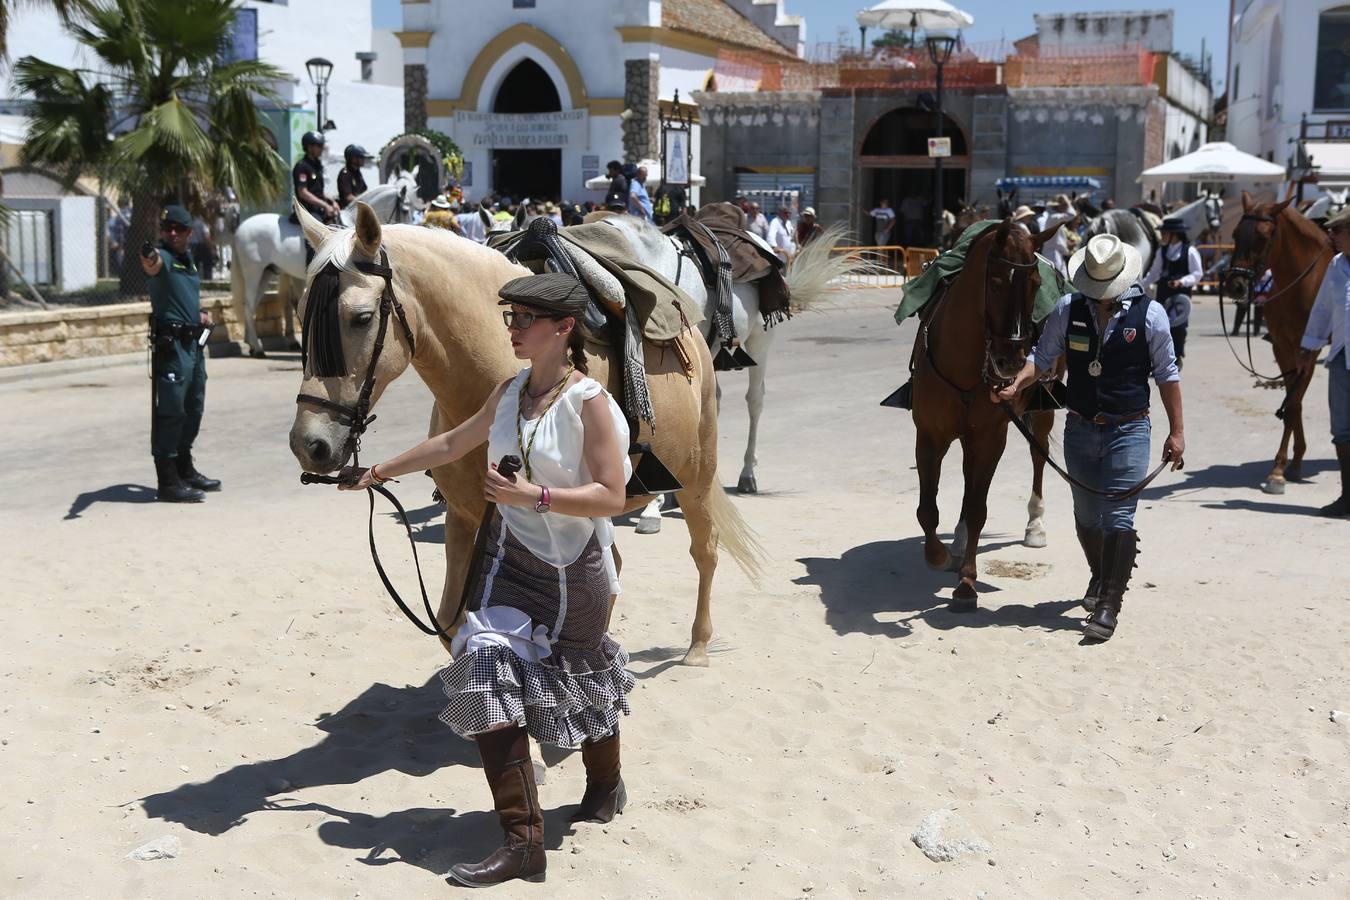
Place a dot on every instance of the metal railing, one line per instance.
(890, 264)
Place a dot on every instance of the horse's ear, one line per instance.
(1281, 206)
(1246, 202)
(1039, 238)
(368, 231)
(313, 230)
(414, 170)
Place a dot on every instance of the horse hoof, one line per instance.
(697, 657)
(294, 345)
(1034, 539)
(964, 599)
(257, 353)
(938, 561)
(648, 525)
(1273, 486)
(1293, 473)
(747, 485)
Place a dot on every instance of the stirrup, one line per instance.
(650, 475)
(902, 397)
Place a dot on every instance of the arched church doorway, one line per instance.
(895, 167)
(536, 174)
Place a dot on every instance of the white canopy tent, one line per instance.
(600, 182)
(915, 15)
(1219, 161)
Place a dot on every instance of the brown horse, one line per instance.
(975, 335)
(1278, 237)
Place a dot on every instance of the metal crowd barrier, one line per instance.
(889, 265)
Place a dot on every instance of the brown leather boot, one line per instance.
(1119, 549)
(510, 775)
(605, 795)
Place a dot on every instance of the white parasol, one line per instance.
(915, 15)
(1219, 161)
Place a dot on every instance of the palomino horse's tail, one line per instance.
(812, 270)
(735, 535)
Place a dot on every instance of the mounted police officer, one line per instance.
(1114, 337)
(178, 328)
(307, 180)
(350, 182)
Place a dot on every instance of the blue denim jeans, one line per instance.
(1108, 458)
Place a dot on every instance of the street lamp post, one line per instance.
(320, 70)
(939, 51)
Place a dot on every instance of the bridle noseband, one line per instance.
(357, 418)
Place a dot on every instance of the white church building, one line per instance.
(540, 94)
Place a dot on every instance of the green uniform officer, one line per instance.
(178, 372)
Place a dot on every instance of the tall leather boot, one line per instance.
(1340, 507)
(510, 775)
(1119, 549)
(605, 795)
(1091, 541)
(190, 476)
(171, 487)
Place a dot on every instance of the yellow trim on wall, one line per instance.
(414, 38)
(496, 48)
(441, 108)
(607, 106)
(684, 40)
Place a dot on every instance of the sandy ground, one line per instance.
(231, 674)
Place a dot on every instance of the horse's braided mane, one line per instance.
(322, 345)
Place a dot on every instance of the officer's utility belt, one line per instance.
(163, 334)
(1108, 419)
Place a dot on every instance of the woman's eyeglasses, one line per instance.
(522, 320)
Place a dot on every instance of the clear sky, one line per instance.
(994, 19)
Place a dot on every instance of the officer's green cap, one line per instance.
(553, 292)
(175, 215)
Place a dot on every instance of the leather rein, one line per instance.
(357, 419)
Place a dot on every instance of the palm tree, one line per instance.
(64, 8)
(161, 118)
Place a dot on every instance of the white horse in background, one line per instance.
(808, 276)
(268, 241)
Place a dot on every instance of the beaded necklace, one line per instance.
(525, 448)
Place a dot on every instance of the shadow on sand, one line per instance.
(384, 729)
(865, 589)
(117, 493)
(1231, 477)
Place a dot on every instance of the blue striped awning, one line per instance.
(1049, 183)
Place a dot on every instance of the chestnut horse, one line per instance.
(1278, 237)
(972, 337)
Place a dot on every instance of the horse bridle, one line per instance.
(357, 418)
(1021, 274)
(1251, 278)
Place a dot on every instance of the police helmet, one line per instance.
(355, 150)
(312, 137)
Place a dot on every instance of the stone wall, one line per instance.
(414, 97)
(641, 130)
(758, 131)
(48, 335)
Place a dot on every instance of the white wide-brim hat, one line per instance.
(1105, 267)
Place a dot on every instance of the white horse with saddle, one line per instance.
(271, 242)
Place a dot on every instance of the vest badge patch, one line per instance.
(1130, 334)
(1079, 344)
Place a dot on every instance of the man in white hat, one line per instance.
(1114, 336)
(1328, 324)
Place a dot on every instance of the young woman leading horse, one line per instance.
(974, 335)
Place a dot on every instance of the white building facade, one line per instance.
(1289, 60)
(540, 94)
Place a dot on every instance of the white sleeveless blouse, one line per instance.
(556, 461)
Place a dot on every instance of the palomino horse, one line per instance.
(269, 241)
(1277, 237)
(813, 273)
(972, 337)
(447, 287)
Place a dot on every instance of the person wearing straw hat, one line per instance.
(1176, 269)
(1114, 336)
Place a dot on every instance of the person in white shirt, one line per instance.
(1327, 325)
(475, 224)
(781, 238)
(756, 222)
(883, 221)
(1056, 250)
(1175, 271)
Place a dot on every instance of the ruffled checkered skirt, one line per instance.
(574, 694)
